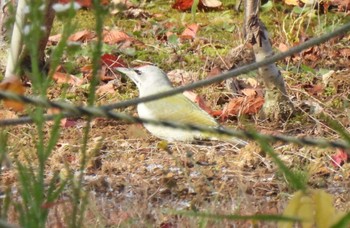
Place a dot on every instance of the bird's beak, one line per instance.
(130, 72)
(124, 70)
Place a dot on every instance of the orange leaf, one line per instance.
(182, 4)
(64, 78)
(13, 84)
(243, 105)
(190, 32)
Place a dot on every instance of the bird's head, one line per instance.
(148, 79)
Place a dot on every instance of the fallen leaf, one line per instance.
(82, 36)
(190, 32)
(316, 89)
(115, 36)
(64, 78)
(112, 61)
(105, 75)
(55, 38)
(68, 122)
(187, 4)
(13, 84)
(211, 3)
(214, 72)
(283, 47)
(182, 4)
(198, 100)
(249, 92)
(339, 158)
(108, 88)
(345, 52)
(241, 105)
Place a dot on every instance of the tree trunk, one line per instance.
(277, 103)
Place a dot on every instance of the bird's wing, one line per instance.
(182, 110)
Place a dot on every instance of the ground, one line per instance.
(132, 181)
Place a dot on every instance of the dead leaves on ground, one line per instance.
(109, 36)
(249, 101)
(65, 78)
(322, 54)
(13, 84)
(184, 5)
(340, 5)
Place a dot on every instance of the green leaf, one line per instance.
(267, 6)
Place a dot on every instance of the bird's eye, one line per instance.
(137, 71)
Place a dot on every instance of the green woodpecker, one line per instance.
(176, 108)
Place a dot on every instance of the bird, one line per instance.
(177, 108)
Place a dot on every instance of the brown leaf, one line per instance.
(249, 92)
(13, 84)
(82, 36)
(283, 47)
(64, 78)
(105, 89)
(105, 76)
(68, 122)
(55, 38)
(198, 100)
(214, 72)
(345, 52)
(316, 89)
(115, 36)
(190, 32)
(243, 105)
